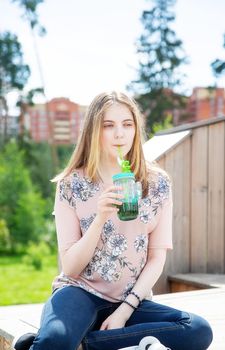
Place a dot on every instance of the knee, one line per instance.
(202, 330)
(54, 338)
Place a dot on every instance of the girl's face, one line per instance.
(118, 129)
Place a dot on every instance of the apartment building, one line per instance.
(206, 103)
(58, 121)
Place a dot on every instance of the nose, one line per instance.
(119, 133)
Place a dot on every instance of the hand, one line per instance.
(107, 202)
(115, 320)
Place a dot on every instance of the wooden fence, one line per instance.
(197, 169)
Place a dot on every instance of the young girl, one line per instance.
(102, 298)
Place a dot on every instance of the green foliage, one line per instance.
(160, 57)
(218, 66)
(166, 124)
(64, 153)
(36, 254)
(30, 13)
(14, 73)
(21, 206)
(50, 235)
(29, 217)
(38, 159)
(4, 236)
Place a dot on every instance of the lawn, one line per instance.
(22, 284)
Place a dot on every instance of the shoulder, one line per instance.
(159, 184)
(76, 186)
(66, 188)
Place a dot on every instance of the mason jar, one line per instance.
(131, 192)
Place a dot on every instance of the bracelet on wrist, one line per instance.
(136, 296)
(131, 305)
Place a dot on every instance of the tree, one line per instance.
(14, 73)
(21, 205)
(160, 56)
(167, 123)
(37, 157)
(24, 102)
(30, 13)
(218, 66)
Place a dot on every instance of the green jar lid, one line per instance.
(123, 176)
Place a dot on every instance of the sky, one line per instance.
(90, 44)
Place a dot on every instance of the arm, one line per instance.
(75, 250)
(159, 241)
(147, 279)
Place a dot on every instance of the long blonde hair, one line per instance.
(87, 151)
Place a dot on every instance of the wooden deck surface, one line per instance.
(209, 303)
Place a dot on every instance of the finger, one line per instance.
(109, 209)
(103, 326)
(112, 195)
(113, 189)
(109, 202)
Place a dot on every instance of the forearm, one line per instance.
(77, 257)
(149, 276)
(147, 279)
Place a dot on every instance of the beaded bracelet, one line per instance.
(136, 295)
(131, 305)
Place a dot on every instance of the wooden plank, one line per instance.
(182, 287)
(209, 304)
(161, 285)
(216, 199)
(158, 146)
(199, 204)
(200, 280)
(177, 164)
(5, 344)
(191, 126)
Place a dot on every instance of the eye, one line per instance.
(128, 124)
(107, 125)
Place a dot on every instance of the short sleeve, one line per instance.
(66, 220)
(161, 236)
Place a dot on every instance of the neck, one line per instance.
(108, 169)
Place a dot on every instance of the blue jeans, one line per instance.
(72, 316)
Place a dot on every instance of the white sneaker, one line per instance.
(150, 343)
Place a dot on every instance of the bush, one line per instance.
(50, 237)
(21, 205)
(4, 236)
(36, 254)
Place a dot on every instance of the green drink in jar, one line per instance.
(131, 191)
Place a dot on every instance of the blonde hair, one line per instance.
(87, 152)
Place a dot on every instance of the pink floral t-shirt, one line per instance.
(122, 250)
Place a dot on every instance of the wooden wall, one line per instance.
(197, 169)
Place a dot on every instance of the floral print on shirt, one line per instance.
(158, 192)
(77, 188)
(141, 243)
(85, 223)
(110, 260)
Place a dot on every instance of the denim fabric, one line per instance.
(72, 315)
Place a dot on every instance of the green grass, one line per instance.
(22, 284)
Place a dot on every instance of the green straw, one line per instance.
(120, 158)
(124, 164)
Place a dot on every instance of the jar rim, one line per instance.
(123, 176)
